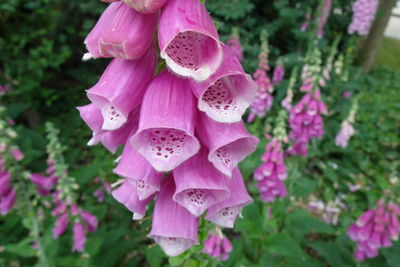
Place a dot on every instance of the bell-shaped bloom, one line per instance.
(227, 94)
(188, 39)
(127, 195)
(228, 143)
(5, 181)
(121, 88)
(121, 32)
(224, 213)
(135, 167)
(146, 6)
(166, 128)
(44, 184)
(199, 185)
(61, 225)
(79, 237)
(173, 228)
(17, 154)
(217, 246)
(7, 201)
(111, 140)
(90, 220)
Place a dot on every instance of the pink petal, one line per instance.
(146, 6)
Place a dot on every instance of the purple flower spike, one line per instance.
(224, 213)
(90, 220)
(232, 144)
(135, 167)
(79, 237)
(166, 131)
(188, 39)
(127, 195)
(121, 88)
(121, 32)
(146, 6)
(61, 225)
(199, 185)
(174, 228)
(217, 246)
(227, 94)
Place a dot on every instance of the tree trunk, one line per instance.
(370, 46)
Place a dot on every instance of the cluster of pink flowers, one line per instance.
(45, 183)
(272, 172)
(363, 15)
(323, 18)
(375, 229)
(234, 44)
(217, 246)
(7, 193)
(264, 99)
(182, 128)
(279, 73)
(104, 187)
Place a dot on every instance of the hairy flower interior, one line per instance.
(166, 143)
(113, 118)
(174, 246)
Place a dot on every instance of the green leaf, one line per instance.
(284, 245)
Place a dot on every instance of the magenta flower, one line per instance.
(363, 15)
(7, 193)
(146, 6)
(232, 144)
(61, 225)
(225, 213)
(217, 246)
(44, 184)
(344, 135)
(135, 167)
(90, 220)
(174, 228)
(79, 237)
(121, 88)
(5, 182)
(346, 94)
(17, 154)
(375, 229)
(323, 18)
(121, 32)
(234, 44)
(166, 128)
(199, 185)
(188, 39)
(279, 73)
(227, 94)
(304, 26)
(127, 195)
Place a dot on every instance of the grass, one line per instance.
(389, 54)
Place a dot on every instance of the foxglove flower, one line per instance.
(79, 237)
(375, 229)
(279, 73)
(225, 213)
(90, 220)
(199, 185)
(232, 144)
(44, 184)
(135, 167)
(227, 94)
(166, 128)
(7, 193)
(121, 88)
(61, 225)
(234, 44)
(127, 195)
(188, 39)
(146, 6)
(263, 100)
(174, 228)
(17, 154)
(363, 15)
(121, 32)
(323, 18)
(346, 132)
(217, 246)
(304, 26)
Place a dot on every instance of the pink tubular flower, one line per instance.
(199, 185)
(323, 18)
(174, 228)
(121, 32)
(7, 193)
(363, 15)
(217, 246)
(5, 182)
(110, 139)
(166, 129)
(146, 6)
(61, 225)
(121, 88)
(225, 213)
(90, 220)
(346, 132)
(272, 173)
(44, 184)
(17, 154)
(279, 73)
(79, 237)
(227, 94)
(135, 167)
(375, 229)
(234, 44)
(188, 39)
(232, 144)
(304, 26)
